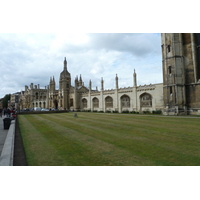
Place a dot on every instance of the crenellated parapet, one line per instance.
(146, 87)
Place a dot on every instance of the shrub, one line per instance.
(157, 111)
(101, 111)
(86, 110)
(146, 112)
(115, 111)
(125, 111)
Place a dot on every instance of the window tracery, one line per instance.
(146, 100)
(84, 102)
(109, 102)
(95, 103)
(125, 101)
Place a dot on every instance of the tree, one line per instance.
(5, 100)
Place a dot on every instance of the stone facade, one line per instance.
(181, 73)
(79, 97)
(33, 96)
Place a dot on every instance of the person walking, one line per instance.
(7, 112)
(4, 112)
(1, 110)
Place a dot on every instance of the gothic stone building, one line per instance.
(181, 73)
(79, 97)
(179, 93)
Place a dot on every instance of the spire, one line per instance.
(90, 85)
(50, 83)
(65, 64)
(135, 79)
(80, 81)
(65, 74)
(53, 84)
(102, 88)
(116, 82)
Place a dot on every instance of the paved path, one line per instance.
(3, 134)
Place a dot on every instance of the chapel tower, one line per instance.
(181, 72)
(64, 87)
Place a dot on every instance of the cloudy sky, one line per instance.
(35, 36)
(33, 58)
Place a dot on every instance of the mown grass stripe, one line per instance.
(156, 147)
(101, 139)
(36, 145)
(96, 148)
(150, 135)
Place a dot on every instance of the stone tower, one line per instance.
(52, 85)
(181, 72)
(51, 94)
(64, 87)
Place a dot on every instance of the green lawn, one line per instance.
(96, 139)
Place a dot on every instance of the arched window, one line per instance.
(125, 101)
(55, 103)
(71, 102)
(109, 102)
(84, 103)
(168, 48)
(169, 69)
(95, 103)
(146, 100)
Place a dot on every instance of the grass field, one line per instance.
(95, 139)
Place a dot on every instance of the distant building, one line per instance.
(79, 97)
(14, 99)
(33, 96)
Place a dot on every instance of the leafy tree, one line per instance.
(5, 100)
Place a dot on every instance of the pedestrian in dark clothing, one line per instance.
(4, 111)
(8, 112)
(1, 110)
